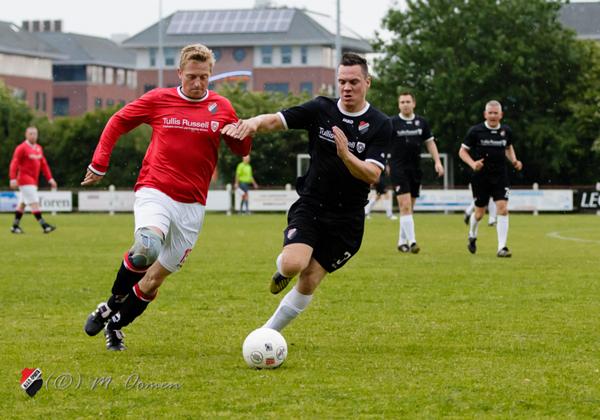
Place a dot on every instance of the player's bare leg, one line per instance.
(293, 259)
(297, 299)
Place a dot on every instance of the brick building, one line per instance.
(267, 49)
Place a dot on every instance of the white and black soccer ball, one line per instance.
(264, 348)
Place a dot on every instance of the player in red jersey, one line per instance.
(171, 188)
(24, 172)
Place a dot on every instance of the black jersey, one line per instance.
(408, 137)
(489, 144)
(327, 180)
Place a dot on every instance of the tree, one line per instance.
(455, 55)
(273, 154)
(15, 116)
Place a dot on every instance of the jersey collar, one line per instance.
(30, 144)
(187, 98)
(352, 114)
(412, 117)
(491, 128)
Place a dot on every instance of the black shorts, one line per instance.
(334, 236)
(485, 186)
(407, 180)
(245, 186)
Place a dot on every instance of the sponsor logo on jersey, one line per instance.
(417, 123)
(503, 133)
(492, 143)
(363, 127)
(173, 122)
(212, 107)
(360, 147)
(348, 121)
(34, 156)
(416, 132)
(214, 125)
(326, 134)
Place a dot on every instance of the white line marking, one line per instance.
(557, 235)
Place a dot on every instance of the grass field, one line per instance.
(441, 333)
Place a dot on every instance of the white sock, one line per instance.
(289, 308)
(469, 210)
(407, 224)
(370, 205)
(388, 207)
(492, 211)
(473, 225)
(502, 229)
(402, 239)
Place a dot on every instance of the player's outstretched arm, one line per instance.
(91, 178)
(247, 128)
(365, 171)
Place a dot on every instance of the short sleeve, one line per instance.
(301, 116)
(470, 139)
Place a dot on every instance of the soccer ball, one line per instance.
(264, 348)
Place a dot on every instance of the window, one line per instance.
(149, 87)
(95, 74)
(19, 93)
(286, 55)
(266, 54)
(277, 87)
(120, 77)
(44, 101)
(98, 103)
(217, 53)
(131, 79)
(121, 102)
(152, 52)
(68, 73)
(37, 101)
(239, 54)
(306, 87)
(60, 107)
(110, 102)
(109, 75)
(304, 54)
(170, 55)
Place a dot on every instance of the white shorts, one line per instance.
(28, 194)
(180, 223)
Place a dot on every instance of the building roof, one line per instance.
(80, 49)
(238, 27)
(583, 18)
(15, 41)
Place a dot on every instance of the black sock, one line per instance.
(131, 308)
(124, 282)
(17, 220)
(39, 218)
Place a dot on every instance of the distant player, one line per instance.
(243, 178)
(409, 133)
(348, 144)
(381, 192)
(171, 189)
(485, 149)
(24, 173)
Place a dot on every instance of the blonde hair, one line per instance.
(196, 52)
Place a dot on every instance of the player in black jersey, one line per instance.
(485, 149)
(381, 192)
(348, 145)
(409, 133)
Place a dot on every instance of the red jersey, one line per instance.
(26, 163)
(184, 147)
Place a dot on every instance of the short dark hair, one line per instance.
(353, 59)
(407, 93)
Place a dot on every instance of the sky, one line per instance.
(107, 17)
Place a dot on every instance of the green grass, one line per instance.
(441, 333)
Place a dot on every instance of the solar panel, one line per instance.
(230, 21)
